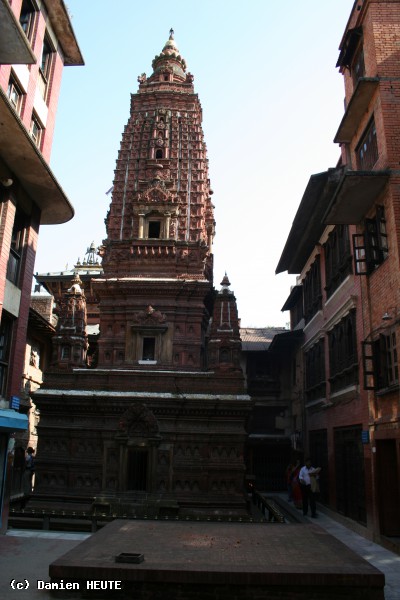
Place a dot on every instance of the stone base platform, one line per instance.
(221, 561)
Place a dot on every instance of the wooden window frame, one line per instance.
(367, 148)
(370, 249)
(343, 359)
(380, 361)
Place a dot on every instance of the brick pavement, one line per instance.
(198, 557)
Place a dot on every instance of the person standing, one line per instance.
(307, 479)
(28, 475)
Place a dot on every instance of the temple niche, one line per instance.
(162, 412)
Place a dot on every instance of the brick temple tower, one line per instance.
(164, 412)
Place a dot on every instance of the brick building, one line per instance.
(161, 418)
(36, 41)
(344, 244)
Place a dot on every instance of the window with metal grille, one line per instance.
(338, 263)
(370, 248)
(343, 362)
(315, 372)
(367, 149)
(312, 290)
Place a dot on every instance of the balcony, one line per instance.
(356, 109)
(354, 197)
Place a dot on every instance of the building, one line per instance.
(162, 417)
(275, 426)
(36, 42)
(344, 245)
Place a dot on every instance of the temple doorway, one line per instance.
(137, 470)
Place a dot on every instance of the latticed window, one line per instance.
(312, 290)
(371, 247)
(337, 258)
(343, 363)
(315, 372)
(367, 150)
(380, 361)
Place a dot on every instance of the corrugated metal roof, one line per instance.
(257, 339)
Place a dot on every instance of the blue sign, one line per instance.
(14, 402)
(365, 437)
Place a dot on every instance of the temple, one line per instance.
(161, 417)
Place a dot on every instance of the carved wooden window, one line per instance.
(371, 247)
(367, 149)
(338, 262)
(343, 362)
(380, 362)
(312, 290)
(315, 372)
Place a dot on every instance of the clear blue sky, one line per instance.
(272, 102)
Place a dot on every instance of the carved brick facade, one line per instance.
(164, 412)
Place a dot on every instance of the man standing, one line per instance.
(306, 476)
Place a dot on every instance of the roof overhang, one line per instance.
(358, 105)
(308, 224)
(14, 46)
(295, 294)
(26, 163)
(39, 323)
(62, 26)
(284, 341)
(10, 420)
(349, 46)
(355, 195)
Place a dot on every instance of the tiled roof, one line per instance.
(256, 339)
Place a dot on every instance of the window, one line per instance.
(371, 247)
(312, 290)
(343, 363)
(27, 18)
(159, 154)
(149, 347)
(14, 94)
(358, 66)
(36, 130)
(315, 372)
(381, 367)
(154, 229)
(367, 150)
(16, 249)
(337, 258)
(6, 327)
(45, 66)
